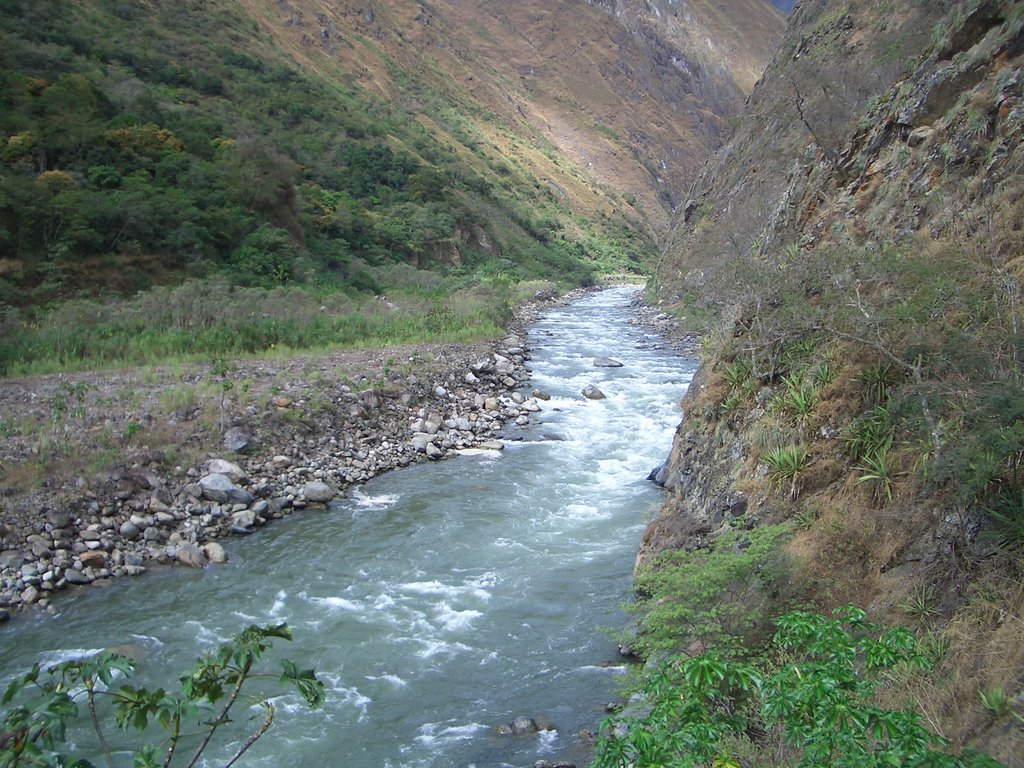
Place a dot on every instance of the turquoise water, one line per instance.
(439, 600)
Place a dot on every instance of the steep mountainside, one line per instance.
(855, 431)
(291, 141)
(636, 94)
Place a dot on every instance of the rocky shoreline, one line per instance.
(305, 431)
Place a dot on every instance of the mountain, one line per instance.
(853, 254)
(292, 141)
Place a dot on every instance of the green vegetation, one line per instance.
(135, 152)
(787, 463)
(811, 703)
(42, 705)
(720, 596)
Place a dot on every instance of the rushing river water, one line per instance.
(439, 600)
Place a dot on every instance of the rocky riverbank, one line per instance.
(106, 473)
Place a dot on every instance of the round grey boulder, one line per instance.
(318, 491)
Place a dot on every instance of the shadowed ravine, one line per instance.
(440, 600)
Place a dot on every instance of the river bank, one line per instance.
(105, 473)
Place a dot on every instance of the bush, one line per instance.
(813, 702)
(717, 596)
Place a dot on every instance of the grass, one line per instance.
(204, 319)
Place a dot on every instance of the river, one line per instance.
(438, 600)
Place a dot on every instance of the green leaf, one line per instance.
(310, 687)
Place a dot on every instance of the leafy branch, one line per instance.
(39, 706)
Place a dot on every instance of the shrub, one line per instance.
(715, 595)
(813, 701)
(787, 463)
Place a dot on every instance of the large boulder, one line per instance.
(592, 393)
(190, 555)
(227, 468)
(607, 362)
(219, 487)
(239, 440)
(318, 491)
(215, 552)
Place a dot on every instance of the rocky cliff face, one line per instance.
(857, 245)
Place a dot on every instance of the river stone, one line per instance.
(432, 423)
(659, 474)
(222, 467)
(503, 366)
(522, 725)
(433, 452)
(29, 595)
(215, 553)
(592, 393)
(420, 441)
(606, 362)
(58, 518)
(239, 440)
(540, 394)
(11, 558)
(190, 555)
(219, 487)
(318, 491)
(243, 521)
(491, 445)
(93, 559)
(76, 577)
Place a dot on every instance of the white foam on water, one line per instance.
(336, 690)
(476, 587)
(456, 621)
(584, 512)
(436, 734)
(548, 741)
(490, 452)
(339, 603)
(52, 658)
(278, 606)
(204, 635)
(364, 500)
(505, 543)
(432, 648)
(617, 669)
(148, 640)
(393, 680)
